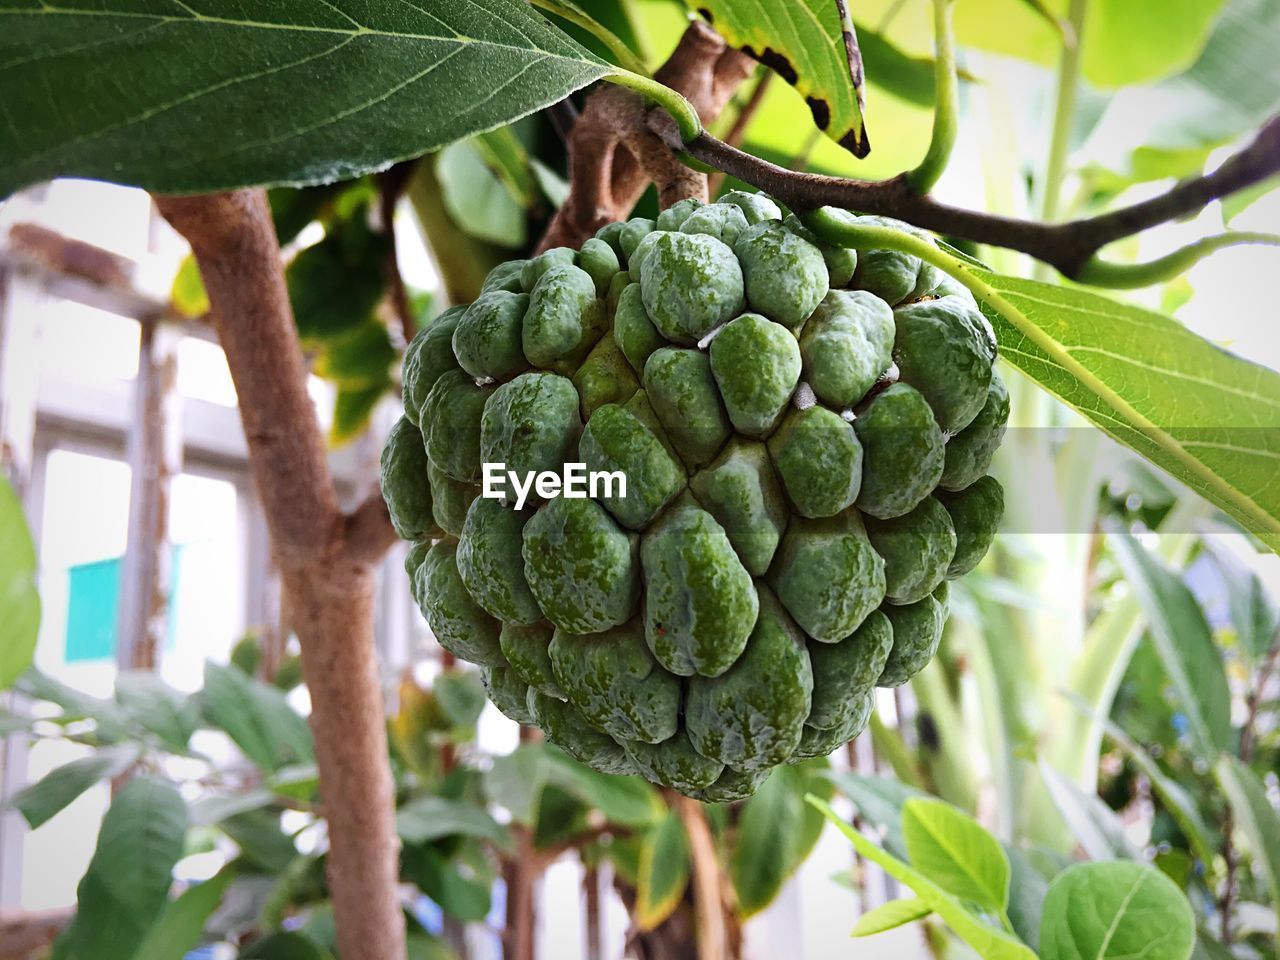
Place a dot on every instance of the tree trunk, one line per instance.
(326, 559)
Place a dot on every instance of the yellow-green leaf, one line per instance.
(890, 916)
(802, 41)
(663, 873)
(188, 295)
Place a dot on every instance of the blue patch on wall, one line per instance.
(93, 608)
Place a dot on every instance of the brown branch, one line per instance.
(391, 187)
(706, 880)
(613, 153)
(325, 559)
(367, 533)
(1066, 246)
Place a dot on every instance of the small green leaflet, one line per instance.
(890, 916)
(265, 91)
(803, 42)
(952, 850)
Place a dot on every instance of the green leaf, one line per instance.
(1254, 614)
(952, 850)
(335, 285)
(460, 896)
(1094, 825)
(179, 928)
(431, 818)
(156, 707)
(261, 841)
(1255, 817)
(423, 946)
(1193, 409)
(477, 201)
(352, 409)
(987, 941)
(110, 724)
(1114, 911)
(257, 717)
(54, 792)
(306, 91)
(19, 601)
(1182, 637)
(663, 873)
(802, 42)
(127, 883)
(769, 835)
(285, 946)
(812, 780)
(461, 696)
(360, 358)
(890, 916)
(879, 801)
(516, 781)
(626, 801)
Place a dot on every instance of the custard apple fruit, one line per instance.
(804, 433)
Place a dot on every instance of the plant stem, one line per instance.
(1064, 115)
(575, 14)
(1122, 276)
(946, 112)
(681, 110)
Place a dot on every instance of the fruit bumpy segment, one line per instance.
(805, 434)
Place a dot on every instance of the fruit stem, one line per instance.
(946, 111)
(681, 110)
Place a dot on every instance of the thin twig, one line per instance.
(391, 187)
(1066, 246)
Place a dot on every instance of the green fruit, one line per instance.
(460, 625)
(508, 692)
(769, 508)
(853, 664)
(699, 605)
(945, 348)
(690, 284)
(428, 356)
(917, 631)
(785, 275)
(756, 364)
(970, 452)
(902, 452)
(975, 513)
(580, 565)
(847, 346)
(567, 728)
(614, 680)
(751, 716)
(917, 547)
(819, 459)
(404, 467)
(828, 576)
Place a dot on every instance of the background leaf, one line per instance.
(1256, 817)
(1182, 637)
(768, 838)
(952, 850)
(1094, 825)
(127, 883)
(55, 791)
(181, 924)
(265, 110)
(663, 872)
(19, 601)
(157, 708)
(431, 818)
(257, 717)
(1115, 910)
(479, 202)
(1204, 415)
(890, 916)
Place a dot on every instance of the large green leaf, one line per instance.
(663, 871)
(178, 930)
(127, 883)
(1256, 817)
(19, 601)
(951, 849)
(54, 792)
(1186, 647)
(266, 91)
(802, 41)
(1115, 911)
(769, 835)
(257, 717)
(1205, 415)
(987, 941)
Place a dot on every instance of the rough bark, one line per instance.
(326, 559)
(614, 155)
